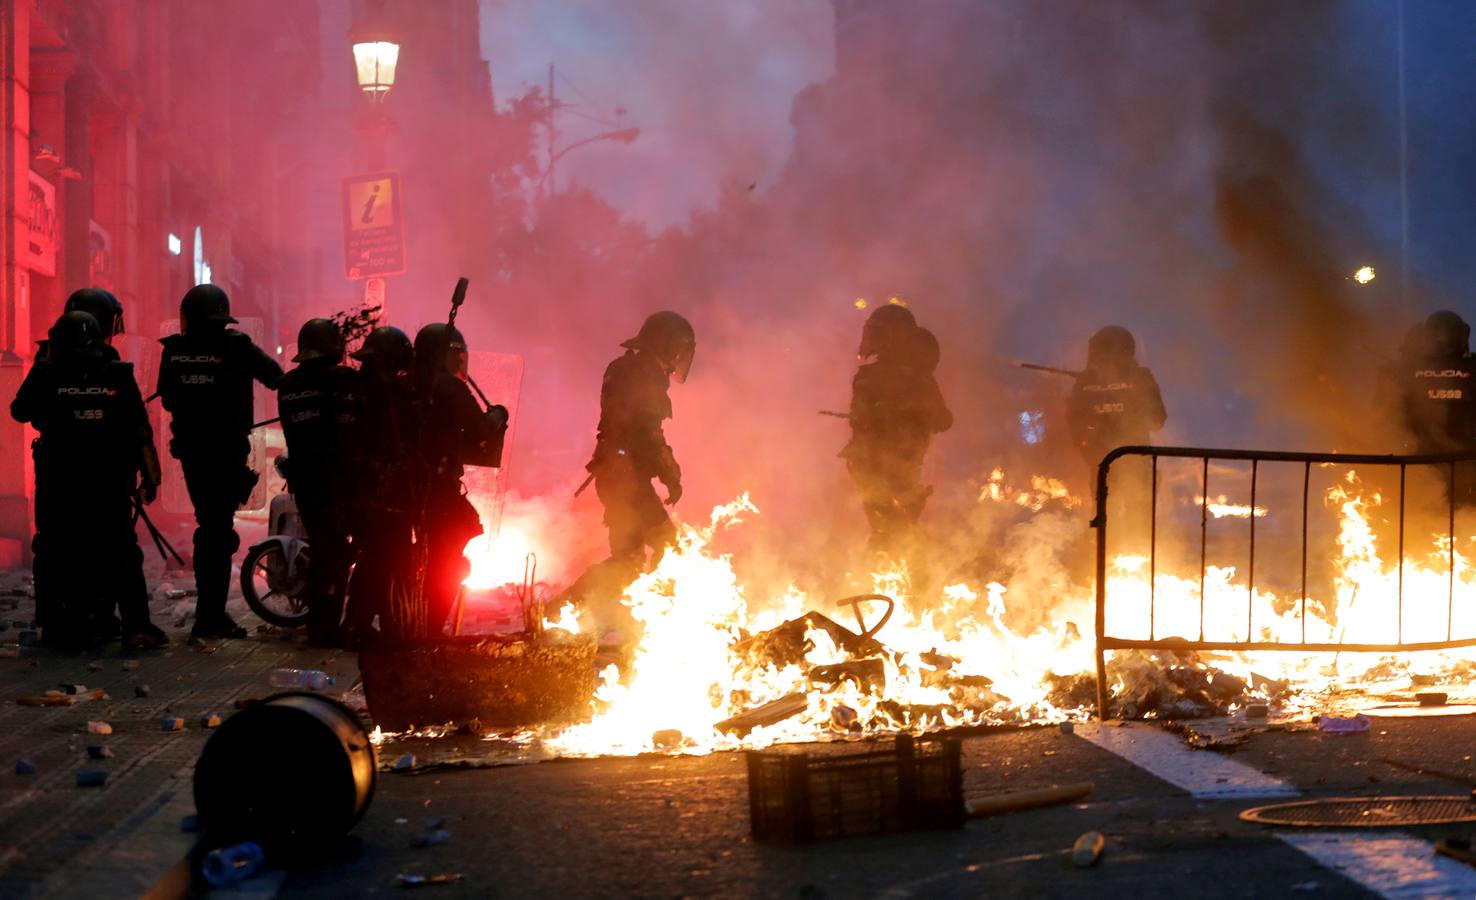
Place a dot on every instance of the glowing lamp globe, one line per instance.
(374, 64)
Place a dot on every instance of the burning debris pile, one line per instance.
(719, 665)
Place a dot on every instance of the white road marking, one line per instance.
(1204, 774)
(1391, 865)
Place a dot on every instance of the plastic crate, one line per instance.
(911, 785)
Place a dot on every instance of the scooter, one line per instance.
(274, 573)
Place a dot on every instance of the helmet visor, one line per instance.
(681, 364)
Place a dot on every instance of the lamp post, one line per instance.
(623, 135)
(376, 54)
(376, 60)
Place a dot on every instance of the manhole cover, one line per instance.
(1366, 812)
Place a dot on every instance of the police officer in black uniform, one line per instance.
(1439, 398)
(1115, 402)
(205, 382)
(319, 405)
(95, 459)
(108, 312)
(896, 409)
(390, 472)
(630, 444)
(630, 451)
(455, 432)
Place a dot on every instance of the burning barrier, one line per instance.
(719, 665)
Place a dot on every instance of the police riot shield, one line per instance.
(500, 376)
(172, 493)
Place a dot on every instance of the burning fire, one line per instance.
(956, 659)
(1221, 508)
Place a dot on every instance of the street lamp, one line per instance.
(623, 135)
(374, 65)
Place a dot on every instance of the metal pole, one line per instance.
(1399, 632)
(1403, 166)
(1306, 479)
(1250, 601)
(553, 106)
(1100, 523)
(1204, 494)
(1153, 555)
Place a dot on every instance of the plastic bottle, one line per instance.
(229, 865)
(302, 679)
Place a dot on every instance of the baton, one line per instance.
(581, 487)
(160, 542)
(1036, 367)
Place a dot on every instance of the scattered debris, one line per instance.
(415, 881)
(99, 751)
(92, 778)
(405, 763)
(210, 720)
(667, 739)
(100, 694)
(1458, 849)
(1087, 849)
(1015, 801)
(95, 666)
(99, 727)
(1068, 727)
(74, 689)
(130, 665)
(1357, 724)
(25, 766)
(172, 723)
(229, 865)
(1432, 698)
(48, 700)
(1466, 780)
(1257, 710)
(771, 712)
(431, 838)
(142, 690)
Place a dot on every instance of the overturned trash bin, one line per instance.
(293, 773)
(495, 680)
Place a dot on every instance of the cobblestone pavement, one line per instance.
(58, 839)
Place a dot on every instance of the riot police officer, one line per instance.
(1114, 402)
(390, 474)
(630, 451)
(1439, 399)
(319, 405)
(205, 382)
(108, 312)
(896, 409)
(455, 432)
(95, 459)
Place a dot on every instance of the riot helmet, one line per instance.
(1447, 334)
(319, 339)
(923, 352)
(103, 306)
(205, 306)
(74, 332)
(388, 349)
(1113, 345)
(439, 347)
(669, 337)
(886, 329)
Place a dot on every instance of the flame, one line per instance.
(995, 651)
(1365, 274)
(1221, 508)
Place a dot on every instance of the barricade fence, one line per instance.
(1445, 464)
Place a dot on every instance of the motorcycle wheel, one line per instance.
(271, 593)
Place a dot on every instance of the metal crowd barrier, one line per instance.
(1106, 642)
